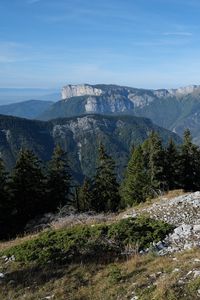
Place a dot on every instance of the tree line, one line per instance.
(31, 190)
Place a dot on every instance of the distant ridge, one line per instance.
(27, 109)
(174, 109)
(79, 136)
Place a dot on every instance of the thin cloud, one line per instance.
(178, 33)
(33, 1)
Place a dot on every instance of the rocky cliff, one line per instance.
(174, 109)
(69, 91)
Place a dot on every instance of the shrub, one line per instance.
(89, 242)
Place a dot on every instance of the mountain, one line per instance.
(13, 95)
(26, 109)
(174, 109)
(79, 136)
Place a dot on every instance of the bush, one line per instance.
(89, 242)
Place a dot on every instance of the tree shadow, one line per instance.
(33, 276)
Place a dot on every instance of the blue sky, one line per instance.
(140, 43)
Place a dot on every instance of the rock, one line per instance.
(188, 246)
(196, 228)
(135, 298)
(196, 273)
(131, 214)
(69, 91)
(176, 270)
(160, 246)
(2, 275)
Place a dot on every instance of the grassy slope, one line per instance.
(148, 276)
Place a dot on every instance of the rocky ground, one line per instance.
(184, 213)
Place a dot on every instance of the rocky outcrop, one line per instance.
(69, 91)
(184, 213)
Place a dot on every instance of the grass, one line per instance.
(149, 277)
(84, 262)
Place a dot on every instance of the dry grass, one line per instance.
(149, 277)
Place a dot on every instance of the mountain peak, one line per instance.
(185, 90)
(69, 91)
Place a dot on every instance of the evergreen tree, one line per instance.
(189, 164)
(172, 166)
(27, 187)
(154, 161)
(135, 188)
(105, 188)
(85, 196)
(58, 180)
(6, 207)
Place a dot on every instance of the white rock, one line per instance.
(196, 228)
(69, 91)
(196, 273)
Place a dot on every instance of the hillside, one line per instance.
(175, 109)
(79, 136)
(47, 266)
(27, 109)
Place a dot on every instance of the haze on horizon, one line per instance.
(140, 43)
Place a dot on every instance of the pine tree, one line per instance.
(154, 161)
(172, 166)
(135, 188)
(58, 180)
(189, 164)
(105, 188)
(27, 187)
(6, 206)
(85, 196)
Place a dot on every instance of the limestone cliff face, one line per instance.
(174, 109)
(108, 104)
(69, 91)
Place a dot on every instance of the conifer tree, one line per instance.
(27, 187)
(136, 185)
(85, 196)
(58, 180)
(189, 164)
(154, 160)
(6, 207)
(172, 166)
(105, 188)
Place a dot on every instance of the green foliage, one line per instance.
(85, 196)
(58, 180)
(6, 207)
(89, 242)
(189, 164)
(136, 185)
(172, 166)
(154, 153)
(27, 187)
(115, 274)
(140, 231)
(106, 188)
(153, 169)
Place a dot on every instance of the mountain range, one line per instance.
(14, 95)
(174, 109)
(79, 136)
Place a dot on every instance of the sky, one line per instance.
(138, 43)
